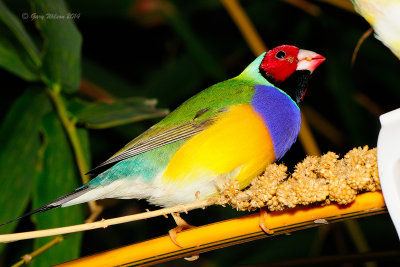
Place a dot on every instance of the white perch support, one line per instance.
(389, 163)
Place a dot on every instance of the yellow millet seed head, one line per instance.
(322, 180)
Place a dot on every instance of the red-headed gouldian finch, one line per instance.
(384, 17)
(231, 130)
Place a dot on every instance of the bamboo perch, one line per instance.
(316, 180)
(231, 232)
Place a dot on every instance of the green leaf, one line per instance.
(100, 115)
(62, 44)
(19, 138)
(13, 58)
(13, 23)
(57, 177)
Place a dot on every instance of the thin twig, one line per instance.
(104, 223)
(343, 4)
(363, 37)
(369, 104)
(27, 258)
(94, 91)
(95, 211)
(323, 126)
(306, 6)
(70, 128)
(307, 139)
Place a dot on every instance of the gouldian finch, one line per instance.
(383, 15)
(231, 130)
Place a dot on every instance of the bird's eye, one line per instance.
(281, 54)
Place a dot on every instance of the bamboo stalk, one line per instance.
(231, 232)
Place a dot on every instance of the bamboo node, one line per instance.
(27, 258)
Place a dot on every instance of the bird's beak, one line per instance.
(308, 60)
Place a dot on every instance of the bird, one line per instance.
(231, 130)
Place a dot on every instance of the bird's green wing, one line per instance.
(192, 117)
(154, 138)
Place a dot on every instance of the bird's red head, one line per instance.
(289, 68)
(279, 63)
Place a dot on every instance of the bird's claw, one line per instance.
(181, 225)
(192, 258)
(262, 223)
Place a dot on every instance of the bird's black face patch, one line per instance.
(295, 85)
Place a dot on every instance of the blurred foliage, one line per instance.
(168, 50)
(57, 155)
(102, 115)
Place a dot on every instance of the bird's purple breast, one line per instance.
(280, 114)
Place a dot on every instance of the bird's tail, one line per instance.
(55, 204)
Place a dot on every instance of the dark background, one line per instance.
(170, 50)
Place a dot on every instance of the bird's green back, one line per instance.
(197, 113)
(238, 90)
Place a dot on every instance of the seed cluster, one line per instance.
(316, 180)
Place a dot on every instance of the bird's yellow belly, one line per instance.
(238, 140)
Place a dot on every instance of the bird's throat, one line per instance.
(295, 86)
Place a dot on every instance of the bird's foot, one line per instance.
(262, 223)
(181, 225)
